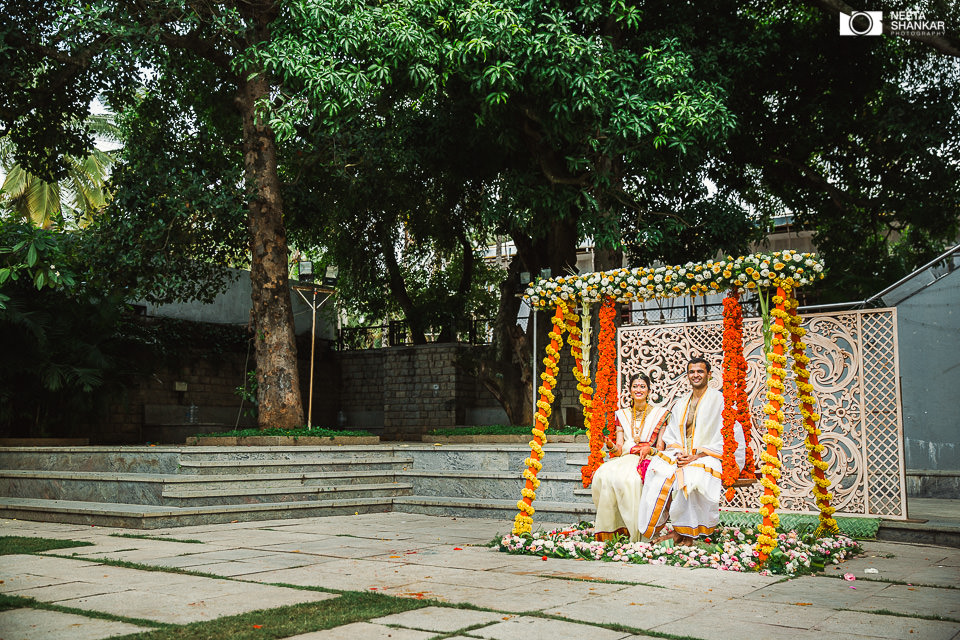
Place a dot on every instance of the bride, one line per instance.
(618, 482)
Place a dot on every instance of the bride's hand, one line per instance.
(642, 450)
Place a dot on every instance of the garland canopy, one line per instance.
(788, 269)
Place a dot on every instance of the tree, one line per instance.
(72, 201)
(65, 53)
(396, 182)
(64, 355)
(856, 137)
(574, 96)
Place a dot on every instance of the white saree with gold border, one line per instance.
(617, 485)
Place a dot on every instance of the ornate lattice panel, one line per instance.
(855, 374)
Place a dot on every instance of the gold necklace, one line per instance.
(633, 419)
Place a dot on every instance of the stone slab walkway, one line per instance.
(899, 587)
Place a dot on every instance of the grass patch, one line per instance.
(605, 581)
(900, 614)
(839, 576)
(292, 620)
(123, 564)
(144, 537)
(299, 432)
(19, 544)
(856, 528)
(505, 430)
(612, 626)
(19, 602)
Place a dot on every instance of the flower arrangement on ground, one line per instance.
(729, 549)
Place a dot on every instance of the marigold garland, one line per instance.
(604, 403)
(580, 367)
(805, 397)
(732, 347)
(523, 521)
(770, 500)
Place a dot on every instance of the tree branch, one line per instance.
(814, 179)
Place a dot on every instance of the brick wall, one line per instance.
(152, 410)
(153, 401)
(401, 393)
(398, 393)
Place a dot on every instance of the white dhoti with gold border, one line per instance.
(689, 495)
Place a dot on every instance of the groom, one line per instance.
(684, 479)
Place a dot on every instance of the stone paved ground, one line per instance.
(418, 556)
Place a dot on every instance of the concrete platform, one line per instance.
(156, 487)
(911, 591)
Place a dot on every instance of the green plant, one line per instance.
(299, 432)
(247, 393)
(13, 545)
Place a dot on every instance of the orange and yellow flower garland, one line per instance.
(582, 375)
(732, 346)
(523, 521)
(604, 404)
(821, 483)
(776, 374)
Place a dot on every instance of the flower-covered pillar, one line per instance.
(604, 403)
(736, 405)
(821, 483)
(523, 521)
(776, 374)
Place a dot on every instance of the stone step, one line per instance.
(172, 459)
(115, 459)
(319, 465)
(546, 511)
(492, 457)
(142, 488)
(137, 516)
(299, 453)
(555, 486)
(259, 495)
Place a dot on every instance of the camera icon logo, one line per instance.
(861, 23)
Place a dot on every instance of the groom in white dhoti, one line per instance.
(684, 479)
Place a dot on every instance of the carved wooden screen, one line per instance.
(854, 369)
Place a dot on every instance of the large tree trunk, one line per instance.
(508, 371)
(398, 289)
(278, 390)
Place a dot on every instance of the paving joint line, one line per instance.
(897, 614)
(32, 603)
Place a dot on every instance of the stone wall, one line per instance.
(154, 410)
(398, 393)
(195, 392)
(401, 393)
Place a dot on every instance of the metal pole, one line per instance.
(533, 382)
(313, 341)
